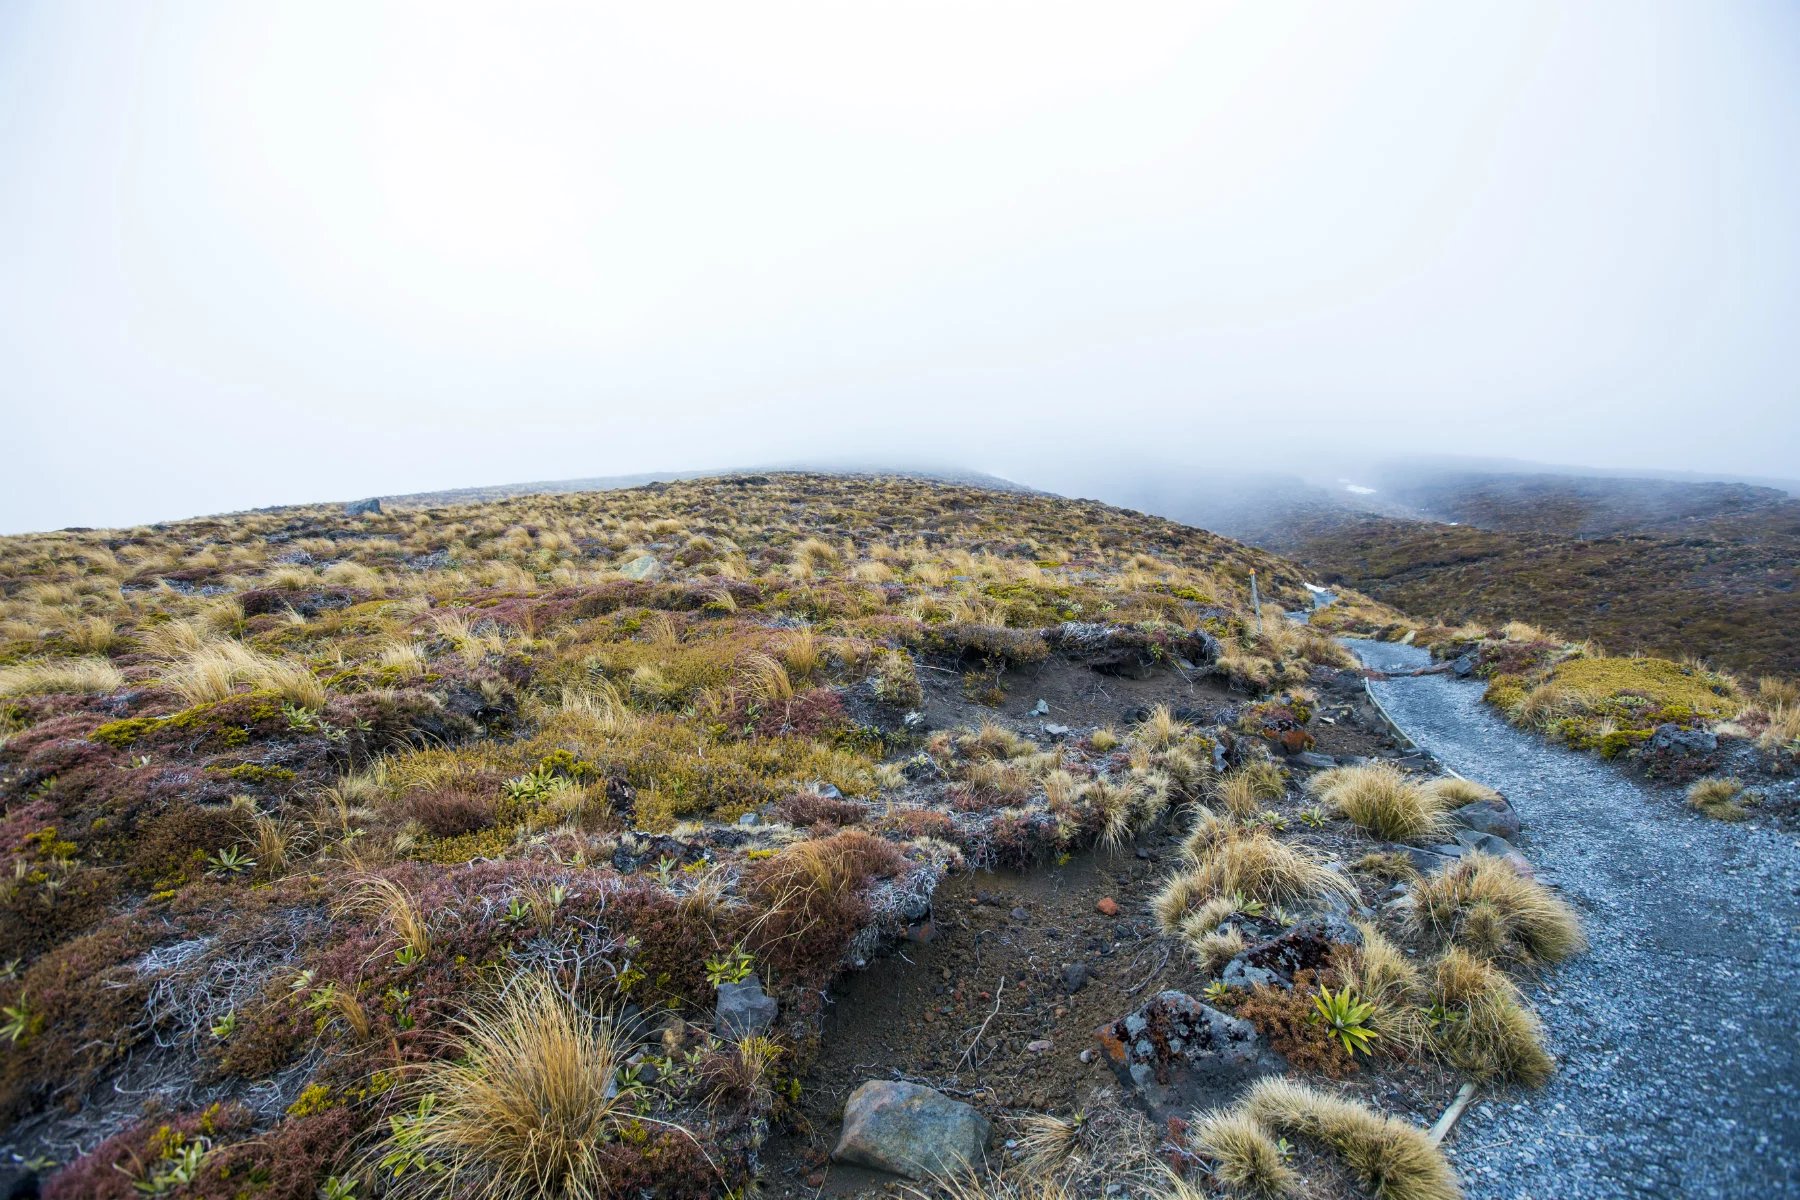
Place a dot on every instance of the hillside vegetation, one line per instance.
(1637, 565)
(331, 842)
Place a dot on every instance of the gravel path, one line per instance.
(1676, 1034)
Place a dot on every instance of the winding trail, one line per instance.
(1677, 1034)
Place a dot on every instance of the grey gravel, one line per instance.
(1676, 1034)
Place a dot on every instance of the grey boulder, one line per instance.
(910, 1130)
(644, 566)
(359, 508)
(1483, 843)
(744, 1009)
(1488, 816)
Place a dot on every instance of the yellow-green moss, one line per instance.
(1661, 683)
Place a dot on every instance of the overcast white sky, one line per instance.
(255, 253)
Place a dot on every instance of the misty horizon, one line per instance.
(263, 256)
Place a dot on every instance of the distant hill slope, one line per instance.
(1659, 566)
(1580, 507)
(607, 483)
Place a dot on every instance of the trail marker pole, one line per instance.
(1255, 600)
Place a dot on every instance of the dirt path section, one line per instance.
(995, 1009)
(1680, 1065)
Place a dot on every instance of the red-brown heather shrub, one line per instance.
(807, 809)
(288, 1162)
(1284, 1016)
(86, 999)
(451, 811)
(911, 823)
(1017, 840)
(113, 1170)
(810, 898)
(674, 940)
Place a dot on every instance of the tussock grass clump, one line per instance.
(1453, 791)
(216, 670)
(1387, 865)
(1245, 1158)
(1160, 729)
(1215, 948)
(1246, 789)
(1393, 1159)
(1233, 861)
(1381, 799)
(1717, 797)
(1210, 829)
(1774, 691)
(393, 906)
(1485, 1030)
(1484, 904)
(1541, 706)
(1381, 974)
(526, 1105)
(1045, 1140)
(994, 741)
(1783, 729)
(79, 676)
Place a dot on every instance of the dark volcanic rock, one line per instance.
(1306, 947)
(1674, 739)
(1177, 1055)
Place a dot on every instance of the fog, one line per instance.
(254, 254)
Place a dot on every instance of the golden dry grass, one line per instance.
(525, 1105)
(394, 907)
(1393, 1159)
(1717, 796)
(1488, 1032)
(1783, 730)
(1160, 729)
(1246, 789)
(1246, 1159)
(1253, 864)
(216, 669)
(1484, 904)
(1381, 974)
(1381, 799)
(79, 676)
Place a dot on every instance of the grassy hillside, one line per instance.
(291, 797)
(1661, 568)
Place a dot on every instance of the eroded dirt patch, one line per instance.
(964, 1011)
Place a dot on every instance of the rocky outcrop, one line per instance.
(1308, 946)
(1176, 1055)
